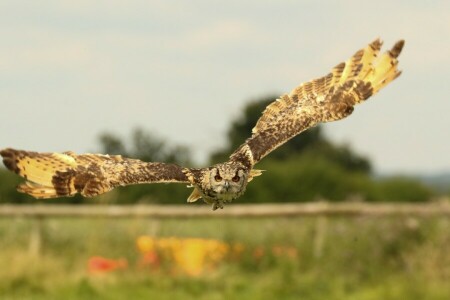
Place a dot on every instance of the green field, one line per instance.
(338, 258)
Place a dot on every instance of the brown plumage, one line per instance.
(52, 175)
(324, 99)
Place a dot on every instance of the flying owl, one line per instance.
(325, 99)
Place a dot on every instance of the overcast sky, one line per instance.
(70, 70)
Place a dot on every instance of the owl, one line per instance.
(329, 98)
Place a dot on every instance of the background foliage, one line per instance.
(306, 168)
(338, 258)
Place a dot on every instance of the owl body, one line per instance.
(218, 184)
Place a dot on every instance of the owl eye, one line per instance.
(235, 178)
(217, 178)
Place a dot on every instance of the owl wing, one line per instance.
(325, 99)
(51, 175)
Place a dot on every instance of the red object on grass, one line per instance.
(98, 264)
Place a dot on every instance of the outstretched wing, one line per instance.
(52, 175)
(325, 99)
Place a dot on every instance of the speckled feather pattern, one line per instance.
(65, 174)
(325, 99)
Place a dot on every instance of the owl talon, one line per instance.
(217, 204)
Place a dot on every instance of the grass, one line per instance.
(339, 258)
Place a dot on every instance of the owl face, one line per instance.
(227, 181)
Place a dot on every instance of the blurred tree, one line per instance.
(341, 155)
(8, 192)
(111, 144)
(145, 146)
(403, 189)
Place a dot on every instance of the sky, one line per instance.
(70, 70)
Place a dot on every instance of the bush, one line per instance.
(309, 177)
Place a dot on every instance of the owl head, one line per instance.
(227, 181)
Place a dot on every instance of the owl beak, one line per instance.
(227, 185)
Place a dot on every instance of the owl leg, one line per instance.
(217, 204)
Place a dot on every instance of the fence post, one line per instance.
(35, 243)
(321, 232)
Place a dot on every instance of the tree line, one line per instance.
(307, 168)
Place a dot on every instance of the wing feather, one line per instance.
(324, 99)
(52, 175)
